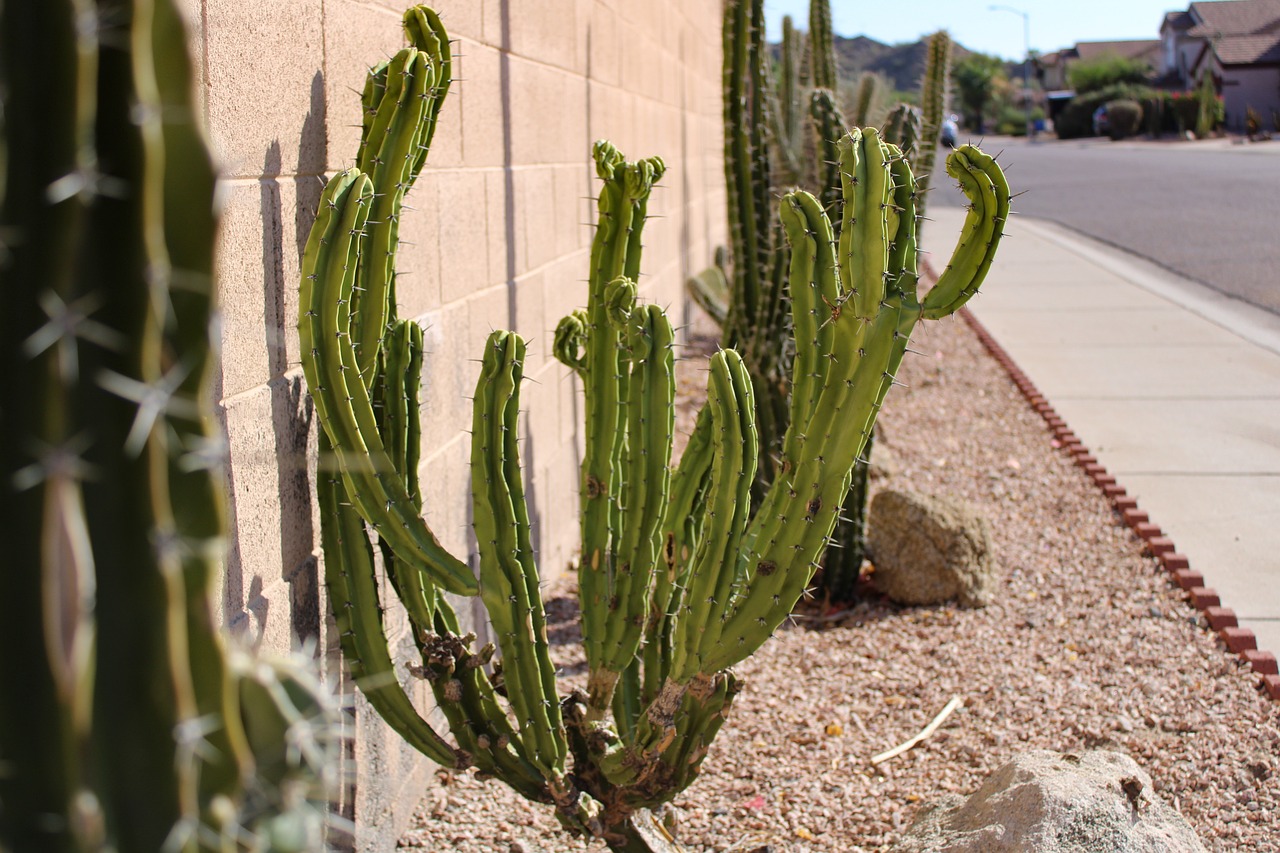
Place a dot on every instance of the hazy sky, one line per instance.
(1054, 23)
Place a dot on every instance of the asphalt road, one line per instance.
(1209, 211)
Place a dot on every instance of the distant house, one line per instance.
(1054, 69)
(1238, 42)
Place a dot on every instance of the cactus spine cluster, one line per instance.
(128, 723)
(679, 579)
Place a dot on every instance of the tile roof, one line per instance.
(1233, 17)
(1248, 50)
(1147, 49)
(1177, 20)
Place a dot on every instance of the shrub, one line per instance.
(1076, 120)
(1106, 71)
(1124, 117)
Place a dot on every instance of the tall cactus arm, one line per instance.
(864, 233)
(342, 401)
(353, 592)
(984, 184)
(400, 426)
(389, 154)
(828, 127)
(647, 344)
(822, 48)
(681, 533)
(508, 575)
(710, 588)
(614, 251)
(933, 104)
(425, 31)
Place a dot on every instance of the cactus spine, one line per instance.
(138, 728)
(679, 579)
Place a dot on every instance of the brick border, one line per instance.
(1221, 620)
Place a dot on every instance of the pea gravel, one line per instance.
(1087, 645)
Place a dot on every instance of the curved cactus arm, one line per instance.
(710, 290)
(984, 184)
(389, 156)
(342, 401)
(570, 341)
(708, 596)
(508, 575)
(353, 592)
(425, 32)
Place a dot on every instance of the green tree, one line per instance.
(976, 78)
(1094, 74)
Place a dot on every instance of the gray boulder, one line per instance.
(1047, 802)
(927, 550)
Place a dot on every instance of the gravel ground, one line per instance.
(1088, 645)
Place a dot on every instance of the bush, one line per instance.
(1124, 117)
(1076, 120)
(1012, 121)
(1105, 72)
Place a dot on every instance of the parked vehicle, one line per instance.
(1101, 124)
(949, 131)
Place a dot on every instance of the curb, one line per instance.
(1220, 620)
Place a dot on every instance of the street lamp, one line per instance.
(1026, 63)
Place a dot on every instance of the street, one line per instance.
(1207, 210)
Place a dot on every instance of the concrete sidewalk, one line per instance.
(1174, 387)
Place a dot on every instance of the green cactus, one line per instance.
(828, 126)
(679, 578)
(790, 110)
(138, 729)
(904, 128)
(822, 47)
(864, 98)
(933, 104)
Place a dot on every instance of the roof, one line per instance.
(1248, 50)
(1177, 20)
(1145, 49)
(1233, 17)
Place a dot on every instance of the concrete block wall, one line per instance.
(499, 238)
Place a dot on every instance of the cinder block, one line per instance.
(477, 95)
(547, 31)
(419, 282)
(256, 51)
(463, 236)
(539, 216)
(449, 372)
(604, 50)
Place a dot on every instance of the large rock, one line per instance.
(1046, 802)
(927, 550)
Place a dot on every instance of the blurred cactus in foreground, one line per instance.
(126, 722)
(679, 580)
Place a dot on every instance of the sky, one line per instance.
(1054, 24)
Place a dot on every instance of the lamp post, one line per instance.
(1026, 62)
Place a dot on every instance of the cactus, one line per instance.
(904, 128)
(864, 98)
(822, 47)
(138, 728)
(933, 105)
(790, 115)
(828, 127)
(679, 579)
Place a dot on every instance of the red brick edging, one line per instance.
(1221, 620)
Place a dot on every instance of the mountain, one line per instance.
(903, 64)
